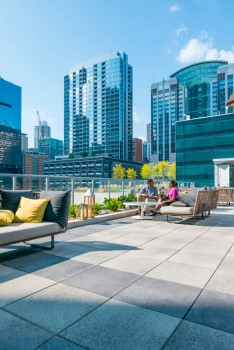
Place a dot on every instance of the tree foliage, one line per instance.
(119, 172)
(131, 173)
(172, 171)
(146, 171)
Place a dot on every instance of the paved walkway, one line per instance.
(123, 285)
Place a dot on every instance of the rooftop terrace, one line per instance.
(123, 285)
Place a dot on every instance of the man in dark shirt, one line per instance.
(148, 193)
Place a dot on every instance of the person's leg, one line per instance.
(156, 208)
(140, 199)
(146, 207)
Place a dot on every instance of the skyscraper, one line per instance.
(137, 149)
(50, 147)
(149, 132)
(24, 141)
(98, 107)
(40, 132)
(187, 92)
(10, 127)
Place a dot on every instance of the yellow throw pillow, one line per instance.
(31, 210)
(6, 217)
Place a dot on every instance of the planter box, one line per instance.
(101, 218)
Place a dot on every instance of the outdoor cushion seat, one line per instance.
(170, 210)
(178, 204)
(25, 231)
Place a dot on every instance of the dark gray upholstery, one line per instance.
(11, 199)
(58, 208)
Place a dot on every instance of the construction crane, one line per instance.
(41, 129)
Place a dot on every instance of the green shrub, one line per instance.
(113, 204)
(72, 211)
(131, 197)
(97, 208)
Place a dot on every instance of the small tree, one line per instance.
(131, 173)
(172, 171)
(119, 172)
(146, 171)
(84, 154)
(71, 156)
(163, 168)
(155, 171)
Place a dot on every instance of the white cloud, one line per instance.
(174, 8)
(137, 117)
(181, 29)
(202, 49)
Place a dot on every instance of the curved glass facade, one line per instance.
(198, 90)
(196, 80)
(98, 107)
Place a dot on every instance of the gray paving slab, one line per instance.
(63, 270)
(167, 297)
(120, 326)
(197, 337)
(134, 262)
(182, 273)
(57, 307)
(20, 287)
(18, 334)
(197, 259)
(68, 250)
(34, 262)
(98, 256)
(57, 343)
(102, 280)
(213, 309)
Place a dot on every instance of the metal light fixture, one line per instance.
(89, 200)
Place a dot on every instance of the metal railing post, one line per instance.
(92, 185)
(123, 187)
(72, 192)
(14, 183)
(47, 184)
(109, 195)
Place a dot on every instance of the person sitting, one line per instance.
(148, 193)
(172, 196)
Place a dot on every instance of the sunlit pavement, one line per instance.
(123, 284)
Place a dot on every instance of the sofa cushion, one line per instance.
(31, 210)
(58, 207)
(188, 199)
(180, 211)
(178, 204)
(17, 232)
(11, 199)
(6, 217)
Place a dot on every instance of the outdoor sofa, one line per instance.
(226, 195)
(54, 221)
(203, 202)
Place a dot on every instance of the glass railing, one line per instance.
(102, 187)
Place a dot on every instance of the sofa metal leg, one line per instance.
(41, 246)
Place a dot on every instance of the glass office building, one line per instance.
(50, 147)
(10, 127)
(205, 150)
(98, 105)
(188, 93)
(221, 89)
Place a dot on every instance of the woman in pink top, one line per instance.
(171, 197)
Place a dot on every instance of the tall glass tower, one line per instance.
(98, 104)
(10, 127)
(188, 93)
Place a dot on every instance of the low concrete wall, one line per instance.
(101, 218)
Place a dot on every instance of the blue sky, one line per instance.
(41, 39)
